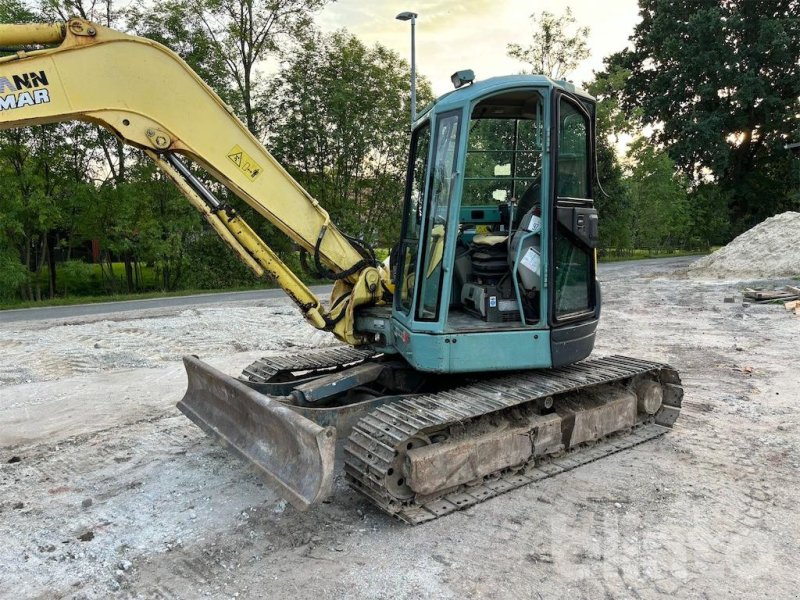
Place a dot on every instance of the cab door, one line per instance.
(574, 218)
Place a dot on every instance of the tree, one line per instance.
(719, 81)
(340, 125)
(34, 181)
(15, 11)
(554, 51)
(99, 11)
(708, 212)
(246, 32)
(659, 206)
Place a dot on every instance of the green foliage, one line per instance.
(77, 278)
(659, 205)
(13, 274)
(340, 125)
(554, 50)
(64, 185)
(15, 11)
(212, 265)
(720, 81)
(244, 33)
(708, 211)
(611, 193)
(649, 206)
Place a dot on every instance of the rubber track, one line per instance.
(266, 369)
(370, 449)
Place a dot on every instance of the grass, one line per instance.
(78, 278)
(90, 282)
(84, 285)
(72, 300)
(643, 254)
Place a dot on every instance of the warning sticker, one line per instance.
(245, 162)
(531, 260)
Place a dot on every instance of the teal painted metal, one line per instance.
(492, 86)
(474, 352)
(480, 214)
(499, 351)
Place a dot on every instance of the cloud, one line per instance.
(473, 34)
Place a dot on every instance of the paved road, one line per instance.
(82, 310)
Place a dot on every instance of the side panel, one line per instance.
(571, 343)
(474, 352)
(499, 351)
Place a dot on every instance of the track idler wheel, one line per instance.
(396, 481)
(649, 396)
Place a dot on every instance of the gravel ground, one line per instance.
(107, 491)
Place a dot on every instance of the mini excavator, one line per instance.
(461, 373)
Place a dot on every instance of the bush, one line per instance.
(12, 275)
(212, 265)
(77, 278)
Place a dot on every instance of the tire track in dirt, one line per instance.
(41, 352)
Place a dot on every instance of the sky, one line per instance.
(473, 34)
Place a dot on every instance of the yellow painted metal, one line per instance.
(367, 291)
(270, 261)
(150, 98)
(33, 33)
(435, 248)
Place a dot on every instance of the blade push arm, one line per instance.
(151, 99)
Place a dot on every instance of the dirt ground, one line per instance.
(106, 490)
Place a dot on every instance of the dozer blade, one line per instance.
(294, 455)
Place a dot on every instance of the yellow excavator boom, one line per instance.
(150, 98)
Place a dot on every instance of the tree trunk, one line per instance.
(121, 162)
(51, 261)
(111, 277)
(126, 258)
(40, 256)
(28, 293)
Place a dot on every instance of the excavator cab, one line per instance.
(495, 269)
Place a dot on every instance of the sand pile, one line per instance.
(770, 249)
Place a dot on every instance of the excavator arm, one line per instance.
(151, 99)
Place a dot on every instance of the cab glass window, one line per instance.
(504, 154)
(573, 260)
(407, 256)
(573, 152)
(443, 182)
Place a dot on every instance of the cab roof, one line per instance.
(485, 87)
